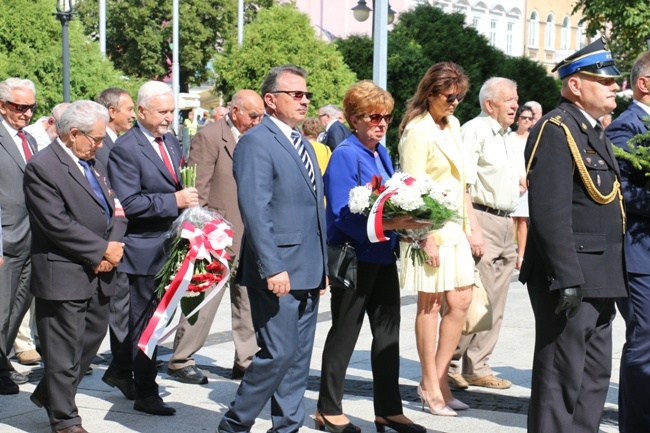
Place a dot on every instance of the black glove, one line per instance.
(569, 301)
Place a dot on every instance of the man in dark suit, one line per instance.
(17, 105)
(282, 259)
(574, 264)
(77, 229)
(335, 131)
(211, 152)
(143, 168)
(121, 112)
(121, 115)
(633, 396)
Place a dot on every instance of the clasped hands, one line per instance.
(569, 302)
(112, 257)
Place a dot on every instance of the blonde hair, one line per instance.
(365, 96)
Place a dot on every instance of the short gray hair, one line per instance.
(152, 89)
(492, 88)
(330, 109)
(534, 104)
(270, 83)
(640, 68)
(83, 115)
(111, 97)
(7, 87)
(58, 110)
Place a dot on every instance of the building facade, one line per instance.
(541, 30)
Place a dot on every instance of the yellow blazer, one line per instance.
(425, 149)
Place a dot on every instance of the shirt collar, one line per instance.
(286, 129)
(494, 125)
(111, 133)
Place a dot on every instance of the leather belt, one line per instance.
(491, 210)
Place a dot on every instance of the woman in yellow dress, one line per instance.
(430, 145)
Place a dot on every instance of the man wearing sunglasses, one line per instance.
(335, 130)
(17, 105)
(494, 190)
(282, 258)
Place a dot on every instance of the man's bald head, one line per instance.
(247, 109)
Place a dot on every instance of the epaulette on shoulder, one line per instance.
(557, 120)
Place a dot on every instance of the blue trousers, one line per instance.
(285, 328)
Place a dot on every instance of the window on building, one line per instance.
(549, 33)
(475, 22)
(509, 37)
(533, 30)
(493, 33)
(580, 42)
(566, 34)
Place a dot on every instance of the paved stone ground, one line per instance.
(103, 409)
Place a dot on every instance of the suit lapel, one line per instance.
(288, 146)
(450, 149)
(152, 155)
(75, 171)
(229, 140)
(7, 142)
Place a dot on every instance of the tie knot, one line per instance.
(21, 134)
(87, 162)
(295, 135)
(159, 140)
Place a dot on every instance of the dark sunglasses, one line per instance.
(297, 95)
(455, 96)
(375, 119)
(21, 108)
(525, 118)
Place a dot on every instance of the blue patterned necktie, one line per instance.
(296, 139)
(92, 179)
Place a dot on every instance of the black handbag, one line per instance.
(342, 266)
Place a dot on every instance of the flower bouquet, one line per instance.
(198, 259)
(421, 198)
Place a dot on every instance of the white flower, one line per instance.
(359, 199)
(444, 193)
(407, 198)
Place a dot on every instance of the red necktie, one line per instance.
(165, 158)
(26, 149)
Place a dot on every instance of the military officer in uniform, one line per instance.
(574, 264)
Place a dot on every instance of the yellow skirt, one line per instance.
(456, 270)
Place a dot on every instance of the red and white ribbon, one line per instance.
(374, 227)
(211, 241)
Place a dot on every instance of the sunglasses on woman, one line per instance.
(529, 118)
(455, 96)
(375, 119)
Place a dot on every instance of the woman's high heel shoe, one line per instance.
(440, 411)
(398, 426)
(457, 405)
(334, 428)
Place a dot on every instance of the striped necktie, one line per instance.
(296, 139)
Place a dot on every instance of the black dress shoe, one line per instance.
(398, 426)
(189, 374)
(153, 405)
(18, 378)
(126, 385)
(8, 386)
(324, 424)
(88, 372)
(237, 372)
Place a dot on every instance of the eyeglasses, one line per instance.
(297, 95)
(321, 115)
(95, 140)
(454, 96)
(21, 108)
(375, 119)
(526, 118)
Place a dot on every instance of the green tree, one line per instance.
(139, 34)
(630, 26)
(281, 35)
(422, 38)
(30, 47)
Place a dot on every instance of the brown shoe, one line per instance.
(456, 381)
(489, 381)
(72, 429)
(28, 357)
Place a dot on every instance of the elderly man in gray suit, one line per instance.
(77, 226)
(17, 105)
(211, 151)
(283, 258)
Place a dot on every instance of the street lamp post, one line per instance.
(383, 16)
(64, 11)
